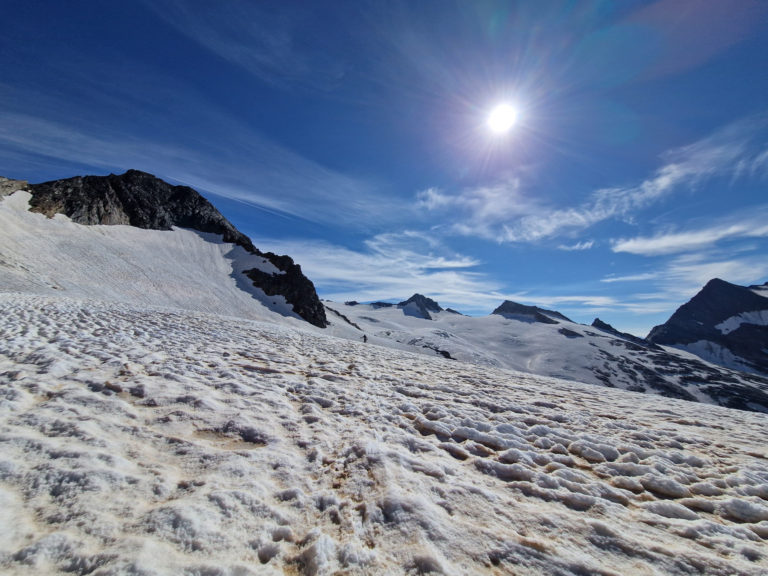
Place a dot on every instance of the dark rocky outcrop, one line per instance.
(293, 285)
(605, 327)
(144, 201)
(420, 306)
(516, 311)
(698, 320)
(134, 199)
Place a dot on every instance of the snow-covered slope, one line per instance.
(198, 271)
(545, 342)
(182, 268)
(143, 440)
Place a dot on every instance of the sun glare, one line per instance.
(502, 118)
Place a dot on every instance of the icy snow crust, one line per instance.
(145, 440)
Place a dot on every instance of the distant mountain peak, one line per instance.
(724, 323)
(422, 300)
(510, 309)
(420, 306)
(142, 200)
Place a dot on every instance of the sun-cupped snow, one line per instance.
(183, 268)
(545, 342)
(149, 440)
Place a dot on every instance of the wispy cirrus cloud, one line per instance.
(275, 42)
(507, 212)
(275, 179)
(752, 224)
(394, 266)
(579, 246)
(477, 211)
(630, 278)
(686, 274)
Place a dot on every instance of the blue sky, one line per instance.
(353, 136)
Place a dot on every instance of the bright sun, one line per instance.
(502, 118)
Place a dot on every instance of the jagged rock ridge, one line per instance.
(724, 323)
(141, 200)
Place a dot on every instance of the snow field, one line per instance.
(564, 350)
(179, 268)
(140, 440)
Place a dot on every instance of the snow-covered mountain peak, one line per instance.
(419, 306)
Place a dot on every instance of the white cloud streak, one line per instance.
(393, 265)
(686, 274)
(753, 224)
(630, 278)
(579, 246)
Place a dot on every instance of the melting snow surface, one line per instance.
(146, 440)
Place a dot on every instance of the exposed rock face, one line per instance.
(531, 313)
(420, 306)
(134, 199)
(293, 285)
(605, 327)
(144, 201)
(724, 323)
